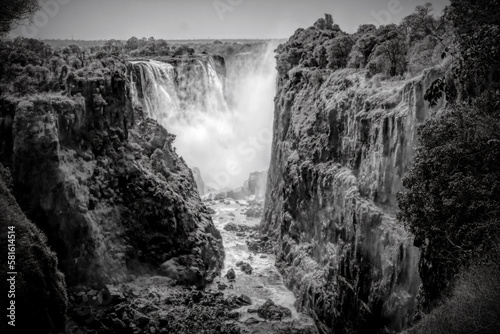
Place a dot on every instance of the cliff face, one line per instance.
(39, 294)
(256, 184)
(341, 146)
(106, 185)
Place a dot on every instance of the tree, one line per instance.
(132, 44)
(79, 53)
(452, 205)
(453, 188)
(338, 50)
(319, 55)
(14, 12)
(362, 50)
(420, 24)
(477, 29)
(390, 52)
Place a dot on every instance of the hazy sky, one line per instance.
(197, 19)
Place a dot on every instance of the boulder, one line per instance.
(231, 275)
(271, 311)
(234, 301)
(245, 267)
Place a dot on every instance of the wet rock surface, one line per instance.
(271, 311)
(263, 285)
(39, 290)
(339, 152)
(154, 304)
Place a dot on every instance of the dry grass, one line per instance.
(474, 307)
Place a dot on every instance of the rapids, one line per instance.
(265, 282)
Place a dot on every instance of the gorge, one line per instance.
(316, 185)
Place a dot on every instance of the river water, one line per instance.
(265, 282)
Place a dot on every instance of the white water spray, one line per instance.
(227, 133)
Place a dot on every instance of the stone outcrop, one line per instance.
(253, 188)
(38, 289)
(200, 184)
(341, 146)
(106, 186)
(256, 184)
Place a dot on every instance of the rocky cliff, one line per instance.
(38, 289)
(341, 146)
(256, 184)
(105, 184)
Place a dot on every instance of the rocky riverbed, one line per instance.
(248, 297)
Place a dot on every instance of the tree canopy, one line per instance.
(13, 12)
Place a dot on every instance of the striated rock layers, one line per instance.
(341, 146)
(106, 186)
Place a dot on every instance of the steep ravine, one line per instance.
(106, 186)
(341, 146)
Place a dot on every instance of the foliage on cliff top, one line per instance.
(29, 66)
(40, 293)
(410, 47)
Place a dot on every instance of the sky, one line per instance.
(206, 19)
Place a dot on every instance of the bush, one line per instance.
(473, 308)
(453, 196)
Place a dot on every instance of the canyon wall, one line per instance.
(37, 290)
(342, 144)
(105, 184)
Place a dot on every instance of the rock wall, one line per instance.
(256, 184)
(39, 292)
(341, 146)
(106, 186)
(200, 184)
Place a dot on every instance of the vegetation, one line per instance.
(473, 308)
(454, 191)
(410, 47)
(30, 66)
(13, 12)
(453, 188)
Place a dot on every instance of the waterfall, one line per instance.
(170, 94)
(222, 123)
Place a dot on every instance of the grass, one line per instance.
(474, 307)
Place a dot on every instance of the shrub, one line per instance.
(453, 196)
(474, 306)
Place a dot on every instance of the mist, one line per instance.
(223, 125)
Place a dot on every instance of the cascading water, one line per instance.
(171, 95)
(222, 121)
